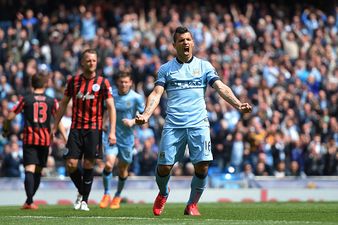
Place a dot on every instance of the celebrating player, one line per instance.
(185, 79)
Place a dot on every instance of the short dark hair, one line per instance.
(122, 74)
(180, 30)
(39, 81)
(89, 50)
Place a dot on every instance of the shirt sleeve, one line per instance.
(140, 104)
(69, 88)
(107, 90)
(161, 78)
(19, 106)
(211, 73)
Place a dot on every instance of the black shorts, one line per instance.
(86, 143)
(36, 155)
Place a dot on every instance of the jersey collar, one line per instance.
(180, 62)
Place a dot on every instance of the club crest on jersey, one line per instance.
(96, 87)
(196, 72)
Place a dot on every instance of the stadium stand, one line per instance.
(281, 54)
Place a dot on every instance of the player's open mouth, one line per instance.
(186, 50)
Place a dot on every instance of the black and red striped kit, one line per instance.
(38, 110)
(88, 101)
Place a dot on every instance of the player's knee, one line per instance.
(71, 168)
(88, 163)
(38, 169)
(71, 165)
(124, 177)
(108, 168)
(123, 172)
(163, 170)
(201, 170)
(201, 176)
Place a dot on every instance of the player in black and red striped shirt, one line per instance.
(88, 92)
(38, 109)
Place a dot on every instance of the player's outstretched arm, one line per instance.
(152, 102)
(226, 93)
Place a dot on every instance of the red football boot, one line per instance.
(30, 206)
(192, 210)
(159, 204)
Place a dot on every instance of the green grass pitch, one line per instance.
(320, 213)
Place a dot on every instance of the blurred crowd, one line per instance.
(280, 56)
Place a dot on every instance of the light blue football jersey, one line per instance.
(126, 107)
(185, 84)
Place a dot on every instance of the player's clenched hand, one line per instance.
(112, 138)
(128, 123)
(140, 119)
(245, 108)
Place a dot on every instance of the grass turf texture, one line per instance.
(321, 213)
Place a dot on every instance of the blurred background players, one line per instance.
(88, 92)
(127, 104)
(38, 109)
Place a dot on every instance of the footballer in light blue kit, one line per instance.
(186, 121)
(127, 104)
(185, 79)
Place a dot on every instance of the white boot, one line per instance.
(77, 203)
(84, 206)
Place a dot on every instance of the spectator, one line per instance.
(145, 160)
(237, 151)
(294, 169)
(88, 24)
(11, 165)
(331, 159)
(280, 170)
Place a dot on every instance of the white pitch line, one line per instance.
(173, 219)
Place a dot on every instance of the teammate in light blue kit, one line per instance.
(185, 79)
(127, 104)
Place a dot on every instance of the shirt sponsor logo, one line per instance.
(87, 96)
(186, 83)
